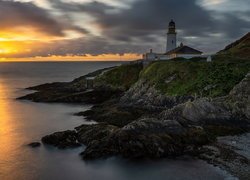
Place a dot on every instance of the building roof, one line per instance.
(183, 50)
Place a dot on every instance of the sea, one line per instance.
(23, 122)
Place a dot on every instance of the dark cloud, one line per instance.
(146, 21)
(25, 14)
(17, 14)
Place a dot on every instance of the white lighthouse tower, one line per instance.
(171, 36)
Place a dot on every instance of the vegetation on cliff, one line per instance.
(178, 78)
(122, 77)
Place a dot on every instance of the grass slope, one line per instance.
(122, 77)
(177, 78)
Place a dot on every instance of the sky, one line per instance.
(115, 29)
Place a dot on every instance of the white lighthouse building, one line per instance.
(172, 51)
(171, 36)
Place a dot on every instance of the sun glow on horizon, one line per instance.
(29, 45)
(87, 57)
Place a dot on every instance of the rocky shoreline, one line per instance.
(140, 122)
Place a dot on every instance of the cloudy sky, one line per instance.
(107, 29)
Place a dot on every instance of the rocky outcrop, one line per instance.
(90, 133)
(143, 94)
(147, 138)
(73, 92)
(234, 108)
(62, 140)
(115, 113)
(201, 111)
(131, 133)
(95, 96)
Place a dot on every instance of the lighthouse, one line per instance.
(171, 36)
(172, 51)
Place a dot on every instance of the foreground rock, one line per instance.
(147, 138)
(62, 140)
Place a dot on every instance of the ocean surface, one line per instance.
(22, 122)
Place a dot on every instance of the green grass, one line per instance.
(193, 77)
(123, 76)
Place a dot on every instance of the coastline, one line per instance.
(120, 120)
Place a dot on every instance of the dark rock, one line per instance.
(239, 98)
(200, 111)
(62, 140)
(34, 144)
(153, 125)
(113, 113)
(146, 138)
(95, 96)
(73, 92)
(89, 133)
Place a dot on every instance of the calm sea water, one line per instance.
(22, 122)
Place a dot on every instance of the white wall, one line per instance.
(171, 42)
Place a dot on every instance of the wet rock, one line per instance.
(62, 140)
(146, 138)
(34, 144)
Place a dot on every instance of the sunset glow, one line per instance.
(13, 43)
